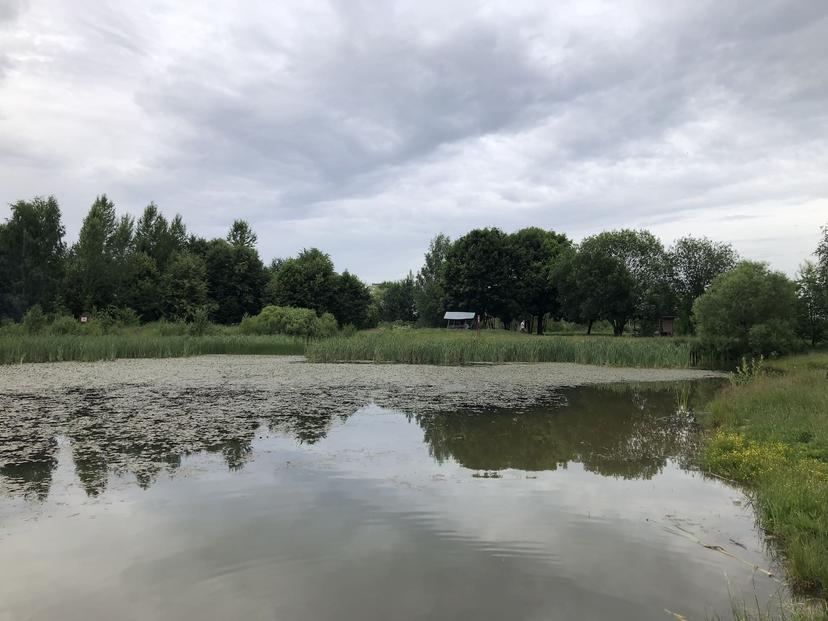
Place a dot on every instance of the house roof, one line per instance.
(458, 315)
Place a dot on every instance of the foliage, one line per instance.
(184, 286)
(352, 301)
(41, 348)
(31, 256)
(288, 320)
(479, 275)
(34, 321)
(748, 310)
(424, 346)
(242, 235)
(812, 295)
(236, 277)
(395, 300)
(306, 281)
(694, 264)
(772, 433)
(429, 289)
(747, 372)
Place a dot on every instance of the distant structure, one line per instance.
(666, 325)
(459, 319)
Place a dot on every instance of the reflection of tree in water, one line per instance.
(627, 432)
(33, 477)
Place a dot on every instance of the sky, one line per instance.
(365, 128)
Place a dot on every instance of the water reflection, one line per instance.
(620, 431)
(627, 431)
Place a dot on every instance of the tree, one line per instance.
(158, 238)
(351, 301)
(822, 251)
(694, 264)
(184, 286)
(32, 253)
(594, 285)
(237, 280)
(636, 277)
(396, 300)
(535, 254)
(307, 281)
(97, 274)
(812, 293)
(241, 234)
(429, 289)
(479, 275)
(749, 309)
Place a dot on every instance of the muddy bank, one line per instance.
(141, 416)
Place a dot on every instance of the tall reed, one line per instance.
(447, 348)
(35, 348)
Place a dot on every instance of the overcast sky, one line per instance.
(364, 128)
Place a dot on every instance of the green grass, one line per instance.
(36, 348)
(772, 434)
(446, 347)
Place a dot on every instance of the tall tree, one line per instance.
(241, 234)
(237, 280)
(96, 272)
(306, 281)
(184, 286)
(479, 275)
(396, 300)
(694, 264)
(32, 253)
(429, 290)
(351, 301)
(812, 293)
(536, 253)
(748, 309)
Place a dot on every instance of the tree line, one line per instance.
(152, 268)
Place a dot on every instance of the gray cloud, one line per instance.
(365, 129)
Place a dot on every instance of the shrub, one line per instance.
(288, 320)
(64, 324)
(34, 321)
(773, 337)
(200, 325)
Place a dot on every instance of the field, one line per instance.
(493, 346)
(772, 434)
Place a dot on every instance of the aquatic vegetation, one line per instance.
(772, 434)
(35, 348)
(449, 347)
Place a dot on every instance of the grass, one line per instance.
(772, 434)
(40, 348)
(445, 347)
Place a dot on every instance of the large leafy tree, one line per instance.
(479, 275)
(748, 309)
(184, 286)
(242, 235)
(352, 301)
(536, 254)
(694, 263)
(306, 281)
(97, 271)
(237, 280)
(429, 289)
(32, 253)
(638, 262)
(396, 300)
(812, 293)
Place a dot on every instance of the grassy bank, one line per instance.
(772, 434)
(41, 348)
(462, 347)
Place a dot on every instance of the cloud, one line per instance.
(366, 129)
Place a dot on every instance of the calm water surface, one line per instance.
(582, 508)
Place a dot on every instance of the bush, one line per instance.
(200, 325)
(288, 320)
(748, 310)
(34, 321)
(63, 325)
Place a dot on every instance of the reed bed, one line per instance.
(456, 348)
(42, 348)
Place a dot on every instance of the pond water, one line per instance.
(135, 501)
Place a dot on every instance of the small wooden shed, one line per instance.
(666, 325)
(459, 319)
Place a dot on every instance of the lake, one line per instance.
(236, 487)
